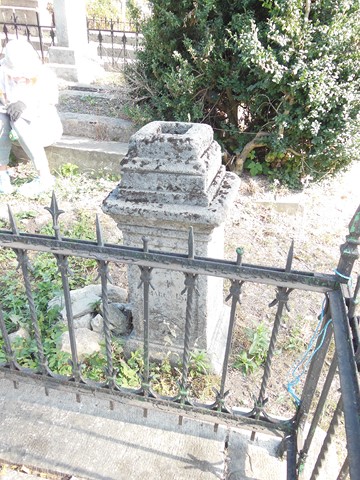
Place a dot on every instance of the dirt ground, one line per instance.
(317, 220)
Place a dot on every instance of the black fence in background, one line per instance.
(116, 42)
(23, 22)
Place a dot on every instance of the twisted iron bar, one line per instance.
(325, 446)
(235, 296)
(190, 289)
(314, 371)
(62, 262)
(63, 267)
(282, 298)
(145, 281)
(104, 276)
(24, 264)
(23, 261)
(317, 414)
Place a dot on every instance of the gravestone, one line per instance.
(71, 58)
(173, 179)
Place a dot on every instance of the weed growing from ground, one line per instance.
(6, 255)
(294, 341)
(25, 215)
(250, 360)
(68, 170)
(45, 281)
(4, 224)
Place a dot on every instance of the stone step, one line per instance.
(91, 156)
(97, 127)
(77, 89)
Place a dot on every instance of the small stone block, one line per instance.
(290, 208)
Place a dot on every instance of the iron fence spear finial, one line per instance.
(12, 220)
(191, 243)
(99, 234)
(55, 213)
(290, 257)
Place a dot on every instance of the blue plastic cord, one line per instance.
(344, 276)
(307, 357)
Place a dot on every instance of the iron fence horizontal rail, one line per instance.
(180, 262)
(237, 419)
(114, 23)
(113, 32)
(15, 8)
(25, 24)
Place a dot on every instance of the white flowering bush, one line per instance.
(278, 80)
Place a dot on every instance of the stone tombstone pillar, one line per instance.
(70, 58)
(172, 178)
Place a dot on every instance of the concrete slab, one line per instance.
(258, 460)
(89, 440)
(290, 207)
(91, 156)
(254, 460)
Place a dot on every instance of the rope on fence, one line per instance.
(302, 365)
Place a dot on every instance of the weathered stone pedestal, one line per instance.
(172, 179)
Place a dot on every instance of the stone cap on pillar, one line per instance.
(172, 162)
(183, 143)
(173, 173)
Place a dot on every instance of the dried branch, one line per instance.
(307, 10)
(256, 142)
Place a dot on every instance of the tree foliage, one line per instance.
(102, 8)
(278, 80)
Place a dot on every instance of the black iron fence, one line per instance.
(115, 24)
(332, 361)
(24, 22)
(116, 42)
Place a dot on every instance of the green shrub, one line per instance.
(276, 79)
